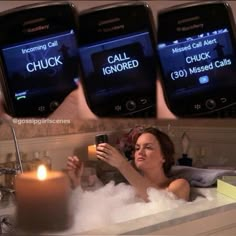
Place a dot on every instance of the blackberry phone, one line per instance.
(118, 60)
(39, 57)
(101, 138)
(197, 58)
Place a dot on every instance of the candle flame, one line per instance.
(42, 172)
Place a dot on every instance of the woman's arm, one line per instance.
(113, 157)
(181, 188)
(75, 168)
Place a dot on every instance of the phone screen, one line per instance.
(119, 67)
(45, 67)
(198, 69)
(119, 70)
(101, 138)
(39, 57)
(205, 61)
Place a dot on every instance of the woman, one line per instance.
(153, 158)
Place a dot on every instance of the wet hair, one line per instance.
(166, 145)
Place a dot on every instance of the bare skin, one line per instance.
(149, 160)
(73, 107)
(75, 168)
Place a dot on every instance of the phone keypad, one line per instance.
(130, 105)
(221, 106)
(54, 105)
(135, 107)
(210, 104)
(37, 108)
(42, 109)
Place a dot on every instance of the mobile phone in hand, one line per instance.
(196, 50)
(101, 138)
(38, 57)
(118, 60)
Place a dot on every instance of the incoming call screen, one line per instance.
(201, 62)
(122, 65)
(42, 65)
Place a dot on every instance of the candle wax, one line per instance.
(42, 205)
(92, 153)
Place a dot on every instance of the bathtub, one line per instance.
(214, 214)
(210, 213)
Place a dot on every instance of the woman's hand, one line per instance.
(75, 168)
(73, 107)
(110, 155)
(3, 114)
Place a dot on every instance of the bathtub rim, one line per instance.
(147, 224)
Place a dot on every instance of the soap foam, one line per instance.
(116, 203)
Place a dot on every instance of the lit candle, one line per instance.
(42, 201)
(92, 153)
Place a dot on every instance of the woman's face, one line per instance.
(148, 153)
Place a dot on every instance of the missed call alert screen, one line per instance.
(42, 66)
(200, 62)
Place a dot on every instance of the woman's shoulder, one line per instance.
(180, 187)
(179, 182)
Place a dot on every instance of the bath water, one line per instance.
(112, 204)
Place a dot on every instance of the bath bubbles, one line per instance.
(112, 204)
(198, 194)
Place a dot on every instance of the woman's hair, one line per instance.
(166, 145)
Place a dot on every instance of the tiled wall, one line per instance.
(28, 129)
(216, 141)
